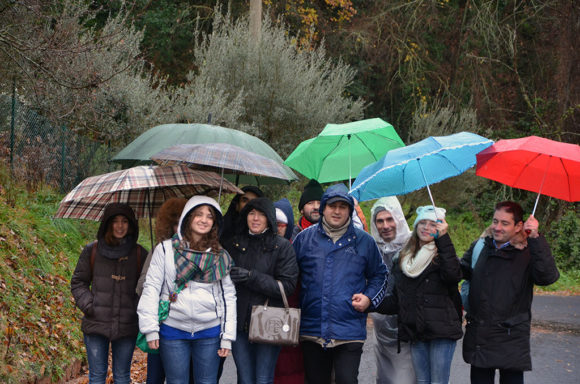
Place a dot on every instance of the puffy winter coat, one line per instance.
(500, 299)
(198, 306)
(332, 272)
(268, 256)
(105, 291)
(429, 306)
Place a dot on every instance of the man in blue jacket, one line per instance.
(342, 275)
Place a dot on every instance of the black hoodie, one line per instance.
(268, 256)
(105, 291)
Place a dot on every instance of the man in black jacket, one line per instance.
(514, 257)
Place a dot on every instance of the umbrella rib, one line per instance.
(367, 147)
(524, 168)
(567, 177)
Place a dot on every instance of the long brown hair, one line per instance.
(209, 240)
(411, 247)
(109, 237)
(168, 218)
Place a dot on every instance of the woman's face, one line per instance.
(425, 230)
(120, 226)
(257, 221)
(202, 221)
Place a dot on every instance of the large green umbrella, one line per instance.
(340, 151)
(158, 138)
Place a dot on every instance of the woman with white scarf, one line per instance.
(426, 298)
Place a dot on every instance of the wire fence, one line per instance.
(39, 152)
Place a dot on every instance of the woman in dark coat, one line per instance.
(262, 258)
(103, 286)
(426, 296)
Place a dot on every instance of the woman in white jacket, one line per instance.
(191, 270)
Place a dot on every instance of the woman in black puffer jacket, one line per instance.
(261, 258)
(103, 285)
(426, 297)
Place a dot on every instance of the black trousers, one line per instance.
(487, 376)
(319, 362)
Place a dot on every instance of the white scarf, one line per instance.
(414, 266)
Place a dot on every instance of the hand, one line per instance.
(442, 227)
(240, 275)
(153, 344)
(531, 227)
(223, 352)
(360, 302)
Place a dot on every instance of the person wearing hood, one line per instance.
(426, 296)
(289, 368)
(166, 223)
(232, 224)
(285, 218)
(103, 286)
(309, 206)
(192, 271)
(342, 275)
(391, 232)
(262, 258)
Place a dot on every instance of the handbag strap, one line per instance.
(283, 294)
(284, 299)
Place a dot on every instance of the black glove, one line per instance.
(240, 275)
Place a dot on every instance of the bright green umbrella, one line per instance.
(158, 138)
(340, 151)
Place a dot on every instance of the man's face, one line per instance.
(386, 226)
(336, 214)
(503, 226)
(244, 199)
(311, 211)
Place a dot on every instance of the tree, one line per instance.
(288, 94)
(93, 80)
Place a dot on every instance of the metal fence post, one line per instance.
(62, 157)
(12, 126)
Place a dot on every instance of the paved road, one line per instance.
(555, 346)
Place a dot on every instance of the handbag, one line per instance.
(274, 325)
(163, 312)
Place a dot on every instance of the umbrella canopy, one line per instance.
(340, 151)
(535, 164)
(144, 188)
(419, 165)
(231, 160)
(140, 150)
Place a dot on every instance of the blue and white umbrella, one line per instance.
(429, 161)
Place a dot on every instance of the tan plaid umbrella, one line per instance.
(144, 188)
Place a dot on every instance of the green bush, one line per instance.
(564, 237)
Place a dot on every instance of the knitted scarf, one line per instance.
(414, 266)
(203, 267)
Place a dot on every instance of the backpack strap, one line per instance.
(477, 251)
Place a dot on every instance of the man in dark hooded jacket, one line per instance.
(342, 275)
(497, 335)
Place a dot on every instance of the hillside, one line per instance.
(39, 324)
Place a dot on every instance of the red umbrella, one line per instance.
(535, 164)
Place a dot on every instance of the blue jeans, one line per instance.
(155, 372)
(432, 360)
(97, 347)
(255, 363)
(177, 355)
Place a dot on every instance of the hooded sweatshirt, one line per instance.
(105, 291)
(286, 207)
(199, 305)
